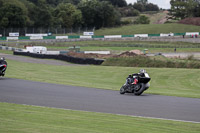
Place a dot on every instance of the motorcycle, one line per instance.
(3, 66)
(137, 84)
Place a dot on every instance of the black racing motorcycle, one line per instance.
(136, 84)
(3, 66)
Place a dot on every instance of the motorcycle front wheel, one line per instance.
(140, 88)
(122, 90)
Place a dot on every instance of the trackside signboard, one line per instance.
(88, 33)
(14, 34)
(12, 38)
(36, 35)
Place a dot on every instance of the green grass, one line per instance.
(155, 17)
(28, 119)
(6, 52)
(118, 46)
(165, 81)
(148, 29)
(117, 50)
(116, 43)
(155, 61)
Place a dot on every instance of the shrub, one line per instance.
(142, 20)
(143, 61)
(190, 57)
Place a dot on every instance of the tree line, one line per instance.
(181, 9)
(68, 13)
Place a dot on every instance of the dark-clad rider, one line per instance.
(132, 79)
(2, 60)
(129, 79)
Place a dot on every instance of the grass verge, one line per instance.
(24, 118)
(148, 29)
(6, 52)
(117, 46)
(165, 81)
(156, 61)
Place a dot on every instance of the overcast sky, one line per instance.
(161, 3)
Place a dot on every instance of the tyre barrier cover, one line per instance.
(67, 58)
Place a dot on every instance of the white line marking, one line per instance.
(118, 114)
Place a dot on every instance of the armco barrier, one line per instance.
(24, 38)
(179, 34)
(2, 38)
(73, 37)
(152, 35)
(63, 58)
(127, 35)
(49, 37)
(97, 37)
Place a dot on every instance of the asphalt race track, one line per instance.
(97, 100)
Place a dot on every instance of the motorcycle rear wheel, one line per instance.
(140, 90)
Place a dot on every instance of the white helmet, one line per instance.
(142, 71)
(2, 58)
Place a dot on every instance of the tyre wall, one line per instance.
(63, 58)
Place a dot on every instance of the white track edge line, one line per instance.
(117, 114)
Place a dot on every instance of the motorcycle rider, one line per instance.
(142, 71)
(131, 79)
(2, 60)
(3, 65)
(136, 83)
(135, 75)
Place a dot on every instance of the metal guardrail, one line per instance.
(193, 34)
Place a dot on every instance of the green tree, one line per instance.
(13, 13)
(151, 7)
(183, 8)
(143, 2)
(107, 16)
(1, 3)
(89, 12)
(197, 10)
(33, 1)
(118, 3)
(42, 14)
(98, 14)
(139, 6)
(129, 11)
(68, 16)
(57, 2)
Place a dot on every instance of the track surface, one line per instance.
(97, 100)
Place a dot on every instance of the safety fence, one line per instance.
(190, 34)
(62, 57)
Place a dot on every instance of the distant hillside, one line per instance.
(191, 21)
(148, 29)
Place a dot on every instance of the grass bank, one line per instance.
(24, 118)
(6, 52)
(117, 46)
(165, 81)
(111, 43)
(156, 61)
(153, 16)
(148, 29)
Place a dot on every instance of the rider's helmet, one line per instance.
(2, 58)
(142, 71)
(129, 75)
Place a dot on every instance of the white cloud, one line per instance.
(165, 4)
